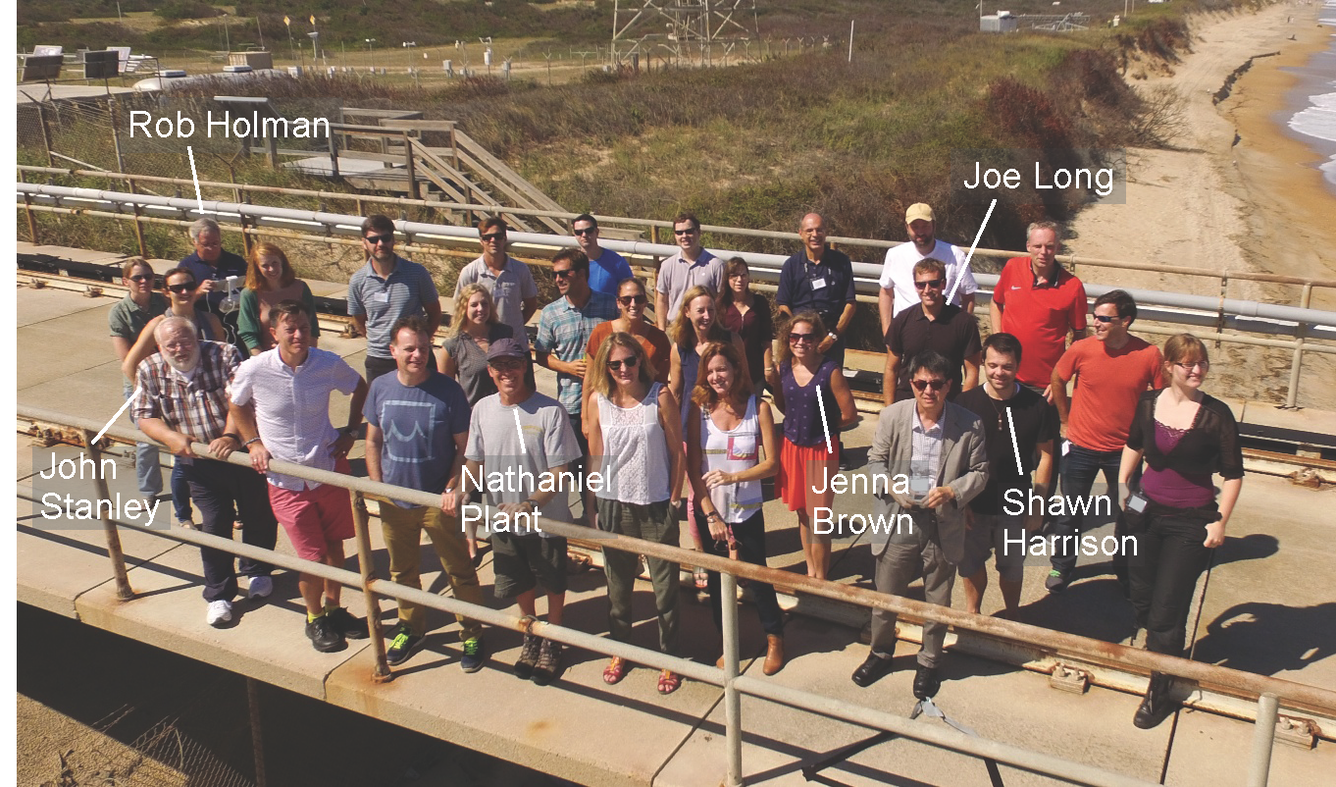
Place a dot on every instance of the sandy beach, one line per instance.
(1237, 192)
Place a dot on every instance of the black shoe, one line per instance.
(528, 659)
(343, 622)
(403, 644)
(926, 682)
(323, 636)
(846, 463)
(1057, 581)
(1157, 705)
(475, 655)
(873, 669)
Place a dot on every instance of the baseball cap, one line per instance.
(918, 211)
(505, 348)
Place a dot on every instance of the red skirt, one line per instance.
(794, 463)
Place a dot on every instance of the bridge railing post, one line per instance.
(728, 592)
(361, 519)
(123, 590)
(1264, 738)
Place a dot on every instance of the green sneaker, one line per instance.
(403, 644)
(474, 655)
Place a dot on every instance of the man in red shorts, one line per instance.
(1040, 303)
(280, 404)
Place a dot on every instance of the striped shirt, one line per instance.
(292, 407)
(193, 404)
(386, 299)
(564, 330)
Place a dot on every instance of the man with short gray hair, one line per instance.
(212, 264)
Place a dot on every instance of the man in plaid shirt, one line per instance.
(182, 399)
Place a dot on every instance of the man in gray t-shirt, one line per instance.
(518, 439)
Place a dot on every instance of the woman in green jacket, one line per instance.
(270, 280)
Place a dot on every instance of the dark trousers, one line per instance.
(750, 537)
(375, 367)
(580, 466)
(223, 491)
(1169, 559)
(1079, 468)
(180, 492)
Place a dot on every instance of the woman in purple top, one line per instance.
(1184, 437)
(747, 314)
(804, 382)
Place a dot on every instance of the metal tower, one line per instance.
(681, 32)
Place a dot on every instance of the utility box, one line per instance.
(1001, 22)
(256, 60)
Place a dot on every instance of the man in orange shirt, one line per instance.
(1112, 368)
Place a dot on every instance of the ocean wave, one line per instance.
(1319, 119)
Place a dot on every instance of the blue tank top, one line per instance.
(802, 419)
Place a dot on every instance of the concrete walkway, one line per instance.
(1267, 610)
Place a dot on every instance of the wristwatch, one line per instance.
(834, 335)
(350, 431)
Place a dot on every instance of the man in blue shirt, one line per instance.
(417, 427)
(607, 268)
(819, 279)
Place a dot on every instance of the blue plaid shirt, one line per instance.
(564, 330)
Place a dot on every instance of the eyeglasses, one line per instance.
(630, 363)
(507, 364)
(493, 236)
(627, 300)
(936, 284)
(1105, 318)
(936, 385)
(797, 338)
(587, 231)
(563, 274)
(373, 240)
(687, 231)
(182, 288)
(140, 277)
(1187, 367)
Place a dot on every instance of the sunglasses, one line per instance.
(138, 277)
(1104, 318)
(373, 240)
(688, 231)
(507, 365)
(936, 385)
(587, 231)
(627, 300)
(936, 284)
(630, 363)
(493, 236)
(563, 274)
(1187, 367)
(182, 288)
(796, 338)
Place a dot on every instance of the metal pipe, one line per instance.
(257, 735)
(380, 673)
(123, 590)
(728, 593)
(1292, 395)
(1264, 739)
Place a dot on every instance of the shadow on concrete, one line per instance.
(1254, 546)
(1093, 609)
(1267, 638)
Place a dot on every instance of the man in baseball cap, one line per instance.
(897, 274)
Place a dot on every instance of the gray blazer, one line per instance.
(964, 468)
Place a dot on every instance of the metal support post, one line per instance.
(32, 220)
(257, 736)
(46, 134)
(333, 155)
(411, 167)
(362, 519)
(123, 590)
(1296, 362)
(115, 136)
(728, 591)
(1264, 738)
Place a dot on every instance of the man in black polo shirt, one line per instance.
(821, 279)
(934, 325)
(1006, 407)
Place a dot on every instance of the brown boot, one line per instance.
(774, 654)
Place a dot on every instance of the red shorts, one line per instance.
(313, 517)
(799, 468)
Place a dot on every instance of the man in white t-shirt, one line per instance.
(897, 273)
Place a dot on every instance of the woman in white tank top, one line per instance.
(635, 439)
(730, 448)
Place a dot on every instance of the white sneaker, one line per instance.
(220, 612)
(261, 587)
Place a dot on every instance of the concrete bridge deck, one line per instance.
(1268, 609)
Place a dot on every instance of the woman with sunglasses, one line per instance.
(182, 295)
(726, 426)
(636, 441)
(696, 327)
(127, 320)
(1185, 437)
(747, 314)
(816, 402)
(269, 281)
(632, 303)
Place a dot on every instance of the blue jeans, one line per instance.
(148, 470)
(1079, 468)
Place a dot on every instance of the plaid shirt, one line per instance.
(564, 330)
(196, 406)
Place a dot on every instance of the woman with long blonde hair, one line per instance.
(270, 280)
(474, 327)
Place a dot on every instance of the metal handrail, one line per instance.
(1267, 690)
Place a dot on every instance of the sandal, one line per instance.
(615, 671)
(669, 682)
(578, 563)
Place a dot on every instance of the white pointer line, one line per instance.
(117, 415)
(821, 405)
(968, 257)
(191, 152)
(1015, 447)
(519, 430)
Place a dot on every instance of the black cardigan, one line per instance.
(1210, 446)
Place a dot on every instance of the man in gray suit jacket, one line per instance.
(932, 455)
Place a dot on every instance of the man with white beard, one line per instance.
(182, 399)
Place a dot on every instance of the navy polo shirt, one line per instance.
(824, 289)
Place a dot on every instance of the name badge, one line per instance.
(818, 284)
(381, 297)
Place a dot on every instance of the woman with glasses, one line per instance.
(269, 281)
(182, 295)
(632, 303)
(636, 441)
(747, 314)
(1184, 437)
(127, 320)
(816, 402)
(730, 448)
(696, 327)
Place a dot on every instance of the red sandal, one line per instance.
(669, 682)
(615, 671)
